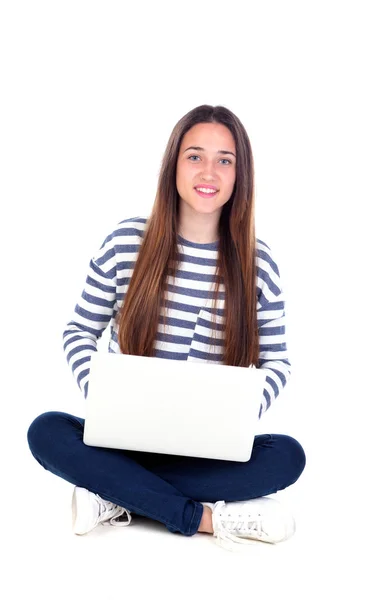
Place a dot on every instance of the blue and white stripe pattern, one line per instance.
(189, 302)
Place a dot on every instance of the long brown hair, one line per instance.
(158, 255)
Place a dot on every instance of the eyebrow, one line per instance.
(200, 148)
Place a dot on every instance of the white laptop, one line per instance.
(152, 404)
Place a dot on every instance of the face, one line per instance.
(211, 163)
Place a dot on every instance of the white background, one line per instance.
(90, 92)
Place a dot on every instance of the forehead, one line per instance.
(211, 136)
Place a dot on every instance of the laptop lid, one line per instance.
(152, 404)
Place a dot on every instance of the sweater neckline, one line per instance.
(208, 246)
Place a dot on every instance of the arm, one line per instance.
(92, 314)
(273, 354)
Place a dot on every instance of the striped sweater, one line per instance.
(189, 316)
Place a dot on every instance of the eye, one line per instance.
(197, 156)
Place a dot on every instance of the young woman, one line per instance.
(201, 232)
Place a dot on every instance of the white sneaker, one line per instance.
(90, 509)
(247, 522)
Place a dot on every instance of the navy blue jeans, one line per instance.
(164, 487)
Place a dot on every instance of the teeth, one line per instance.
(206, 190)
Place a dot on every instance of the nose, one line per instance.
(208, 169)
(207, 174)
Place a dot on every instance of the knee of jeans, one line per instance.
(40, 427)
(298, 454)
(294, 452)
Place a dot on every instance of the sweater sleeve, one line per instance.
(273, 353)
(92, 314)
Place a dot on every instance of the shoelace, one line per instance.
(226, 537)
(116, 519)
(109, 512)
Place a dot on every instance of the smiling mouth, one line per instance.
(206, 194)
